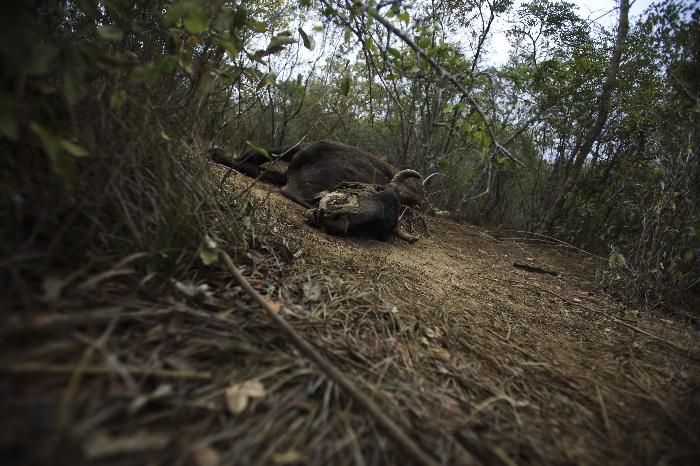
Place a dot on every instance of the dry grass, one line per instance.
(447, 336)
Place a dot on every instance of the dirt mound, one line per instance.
(462, 338)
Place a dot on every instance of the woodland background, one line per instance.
(585, 134)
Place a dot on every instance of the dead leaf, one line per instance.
(206, 456)
(432, 332)
(442, 353)
(276, 306)
(451, 405)
(193, 291)
(312, 291)
(52, 287)
(288, 457)
(239, 395)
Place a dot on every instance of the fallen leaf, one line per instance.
(442, 353)
(288, 457)
(192, 290)
(276, 306)
(206, 456)
(312, 291)
(451, 405)
(239, 395)
(52, 287)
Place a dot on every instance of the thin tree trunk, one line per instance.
(603, 110)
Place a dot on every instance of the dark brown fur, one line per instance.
(321, 166)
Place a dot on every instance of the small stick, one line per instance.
(392, 430)
(101, 370)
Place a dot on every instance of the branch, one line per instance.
(442, 73)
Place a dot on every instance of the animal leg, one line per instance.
(289, 194)
(249, 165)
(403, 234)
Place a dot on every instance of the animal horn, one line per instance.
(432, 175)
(400, 176)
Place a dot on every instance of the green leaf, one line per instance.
(208, 251)
(404, 17)
(61, 163)
(256, 25)
(231, 48)
(110, 33)
(73, 149)
(189, 13)
(347, 34)
(266, 80)
(318, 28)
(259, 54)
(345, 84)
(118, 99)
(259, 148)
(394, 53)
(280, 40)
(196, 21)
(309, 42)
(240, 16)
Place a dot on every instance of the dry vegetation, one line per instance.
(457, 345)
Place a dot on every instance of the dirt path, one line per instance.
(545, 368)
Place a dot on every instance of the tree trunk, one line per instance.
(603, 110)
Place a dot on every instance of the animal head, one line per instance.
(218, 155)
(359, 207)
(408, 187)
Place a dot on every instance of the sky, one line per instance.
(602, 11)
